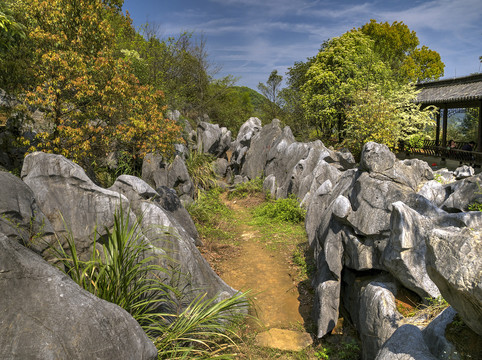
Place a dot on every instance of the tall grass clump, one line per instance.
(284, 210)
(124, 270)
(201, 170)
(246, 189)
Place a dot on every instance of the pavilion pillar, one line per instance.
(437, 131)
(444, 127)
(479, 138)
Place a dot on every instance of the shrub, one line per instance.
(284, 210)
(246, 189)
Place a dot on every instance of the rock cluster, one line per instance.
(44, 313)
(385, 221)
(375, 228)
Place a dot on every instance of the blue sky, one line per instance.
(250, 38)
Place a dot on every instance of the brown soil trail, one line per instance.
(266, 272)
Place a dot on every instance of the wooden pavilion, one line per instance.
(462, 92)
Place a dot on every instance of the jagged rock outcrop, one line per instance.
(70, 200)
(454, 263)
(156, 171)
(434, 336)
(196, 274)
(462, 193)
(211, 139)
(65, 194)
(45, 315)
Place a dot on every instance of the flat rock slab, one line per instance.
(284, 340)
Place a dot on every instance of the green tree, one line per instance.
(397, 47)
(292, 103)
(271, 91)
(384, 117)
(345, 65)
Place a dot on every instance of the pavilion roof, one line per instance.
(458, 92)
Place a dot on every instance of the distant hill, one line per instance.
(256, 98)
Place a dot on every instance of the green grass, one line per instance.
(211, 215)
(126, 274)
(201, 170)
(281, 210)
(246, 189)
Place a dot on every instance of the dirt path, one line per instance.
(266, 272)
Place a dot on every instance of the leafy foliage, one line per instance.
(201, 171)
(91, 101)
(271, 90)
(282, 210)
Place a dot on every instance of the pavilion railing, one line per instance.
(429, 148)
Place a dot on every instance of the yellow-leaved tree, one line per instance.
(91, 102)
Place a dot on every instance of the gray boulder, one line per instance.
(212, 139)
(221, 167)
(165, 232)
(406, 343)
(433, 191)
(404, 255)
(454, 263)
(20, 215)
(463, 172)
(462, 193)
(378, 318)
(70, 200)
(257, 154)
(136, 189)
(434, 336)
(45, 315)
(157, 172)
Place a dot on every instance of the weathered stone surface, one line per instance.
(463, 172)
(178, 178)
(378, 318)
(404, 255)
(285, 340)
(211, 139)
(434, 336)
(454, 263)
(136, 189)
(462, 193)
(328, 251)
(221, 167)
(261, 144)
(164, 231)
(45, 315)
(434, 191)
(406, 343)
(20, 215)
(376, 158)
(69, 198)
(157, 172)
(248, 130)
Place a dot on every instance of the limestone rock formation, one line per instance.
(212, 139)
(156, 171)
(20, 215)
(454, 263)
(406, 343)
(45, 315)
